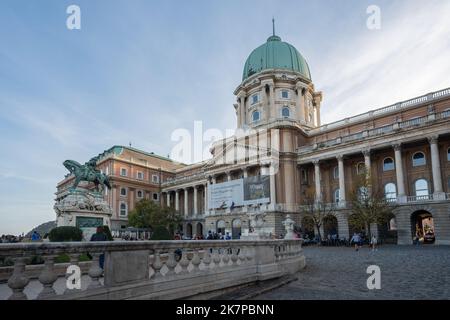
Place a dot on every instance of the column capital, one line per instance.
(316, 162)
(340, 157)
(366, 152)
(397, 146)
(433, 139)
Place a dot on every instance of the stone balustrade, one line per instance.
(156, 269)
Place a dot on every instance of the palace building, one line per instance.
(281, 150)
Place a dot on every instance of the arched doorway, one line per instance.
(220, 227)
(199, 229)
(308, 228)
(189, 230)
(422, 227)
(330, 226)
(236, 229)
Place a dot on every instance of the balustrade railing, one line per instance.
(195, 266)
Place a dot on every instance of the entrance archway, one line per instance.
(330, 226)
(220, 227)
(236, 229)
(422, 227)
(308, 228)
(199, 228)
(189, 230)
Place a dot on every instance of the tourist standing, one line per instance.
(100, 235)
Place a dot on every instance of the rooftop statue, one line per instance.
(87, 172)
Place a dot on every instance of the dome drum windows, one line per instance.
(284, 94)
(255, 98)
(256, 116)
(285, 112)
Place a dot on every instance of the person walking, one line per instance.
(373, 243)
(356, 239)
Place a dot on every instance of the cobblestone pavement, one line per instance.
(407, 272)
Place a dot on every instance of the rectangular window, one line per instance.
(140, 175)
(123, 172)
(255, 98)
(285, 94)
(155, 196)
(140, 194)
(155, 178)
(123, 191)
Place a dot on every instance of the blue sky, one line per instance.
(137, 70)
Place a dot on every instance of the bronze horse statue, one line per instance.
(87, 172)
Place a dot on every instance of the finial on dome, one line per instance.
(273, 25)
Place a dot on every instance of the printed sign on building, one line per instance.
(239, 192)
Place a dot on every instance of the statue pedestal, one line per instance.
(84, 209)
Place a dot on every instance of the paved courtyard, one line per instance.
(407, 272)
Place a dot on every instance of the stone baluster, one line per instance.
(184, 262)
(95, 272)
(241, 255)
(234, 256)
(216, 257)
(277, 253)
(207, 259)
(18, 281)
(171, 264)
(48, 278)
(225, 257)
(157, 265)
(248, 254)
(196, 261)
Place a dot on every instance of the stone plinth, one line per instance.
(84, 209)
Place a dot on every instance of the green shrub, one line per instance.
(161, 233)
(65, 234)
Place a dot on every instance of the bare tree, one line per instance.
(316, 209)
(369, 205)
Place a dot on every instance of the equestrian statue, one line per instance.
(87, 172)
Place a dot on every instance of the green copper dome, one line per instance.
(275, 54)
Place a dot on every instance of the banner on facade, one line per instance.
(239, 192)
(256, 190)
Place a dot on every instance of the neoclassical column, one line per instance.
(177, 200)
(272, 100)
(168, 199)
(399, 172)
(242, 111)
(245, 172)
(195, 200)
(367, 161)
(341, 170)
(300, 107)
(273, 191)
(186, 203)
(317, 179)
(205, 191)
(435, 165)
(318, 115)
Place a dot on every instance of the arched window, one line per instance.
(285, 113)
(388, 164)
(418, 159)
(123, 191)
(336, 173)
(337, 195)
(361, 168)
(255, 116)
(140, 194)
(390, 191)
(421, 187)
(123, 209)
